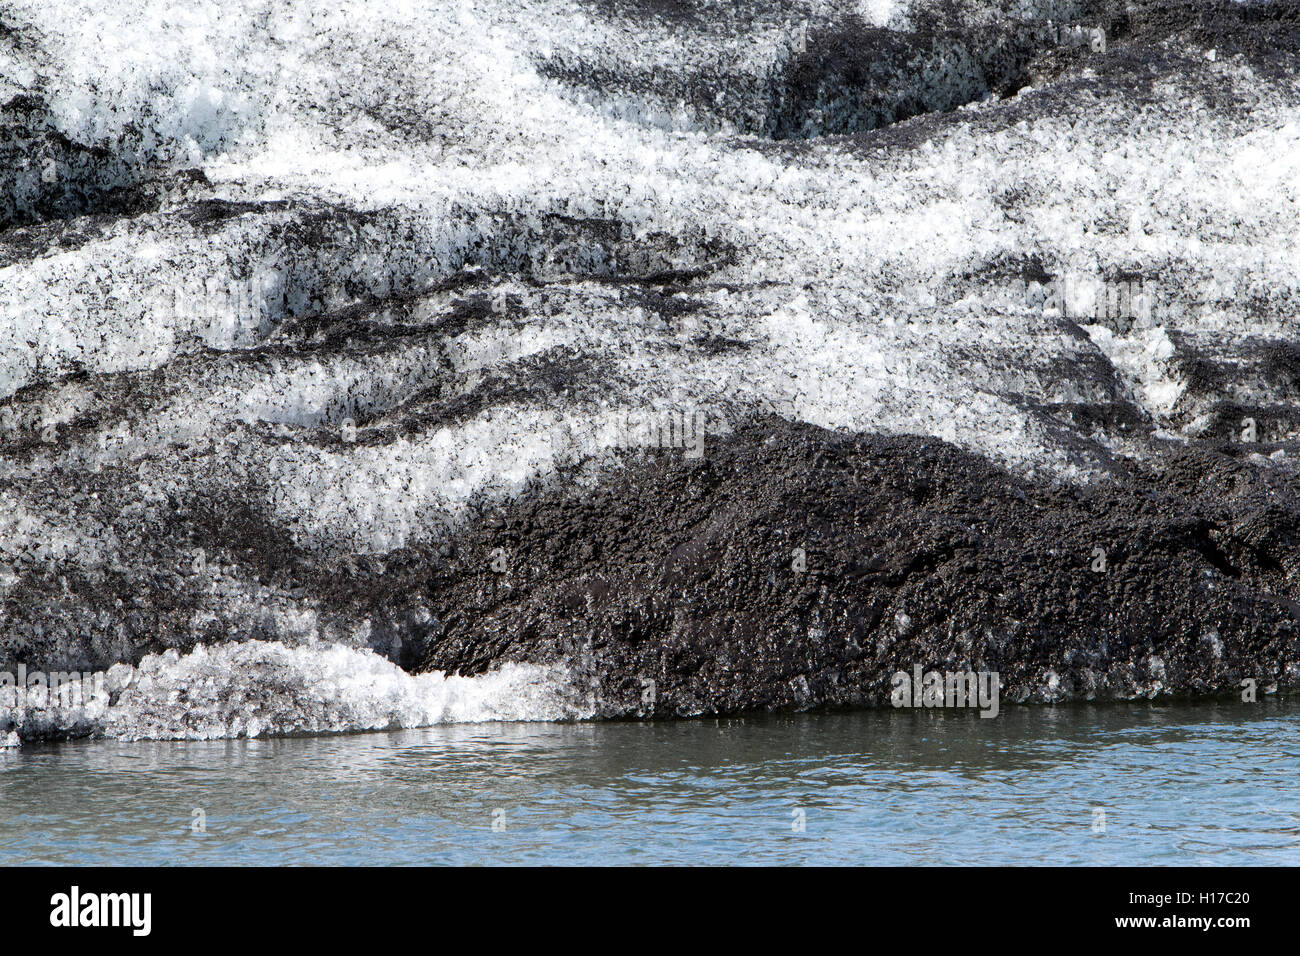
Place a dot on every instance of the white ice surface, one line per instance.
(257, 688)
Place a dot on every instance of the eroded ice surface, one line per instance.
(287, 284)
(258, 688)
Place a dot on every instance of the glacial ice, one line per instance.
(256, 688)
(397, 158)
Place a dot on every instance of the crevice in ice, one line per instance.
(46, 176)
(808, 71)
(855, 77)
(818, 70)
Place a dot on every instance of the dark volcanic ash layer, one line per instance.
(792, 567)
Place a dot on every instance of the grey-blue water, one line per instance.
(1205, 784)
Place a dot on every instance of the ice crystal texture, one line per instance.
(297, 287)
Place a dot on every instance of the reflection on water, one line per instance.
(1211, 784)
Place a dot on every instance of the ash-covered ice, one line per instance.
(453, 337)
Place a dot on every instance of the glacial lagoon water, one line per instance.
(1215, 783)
